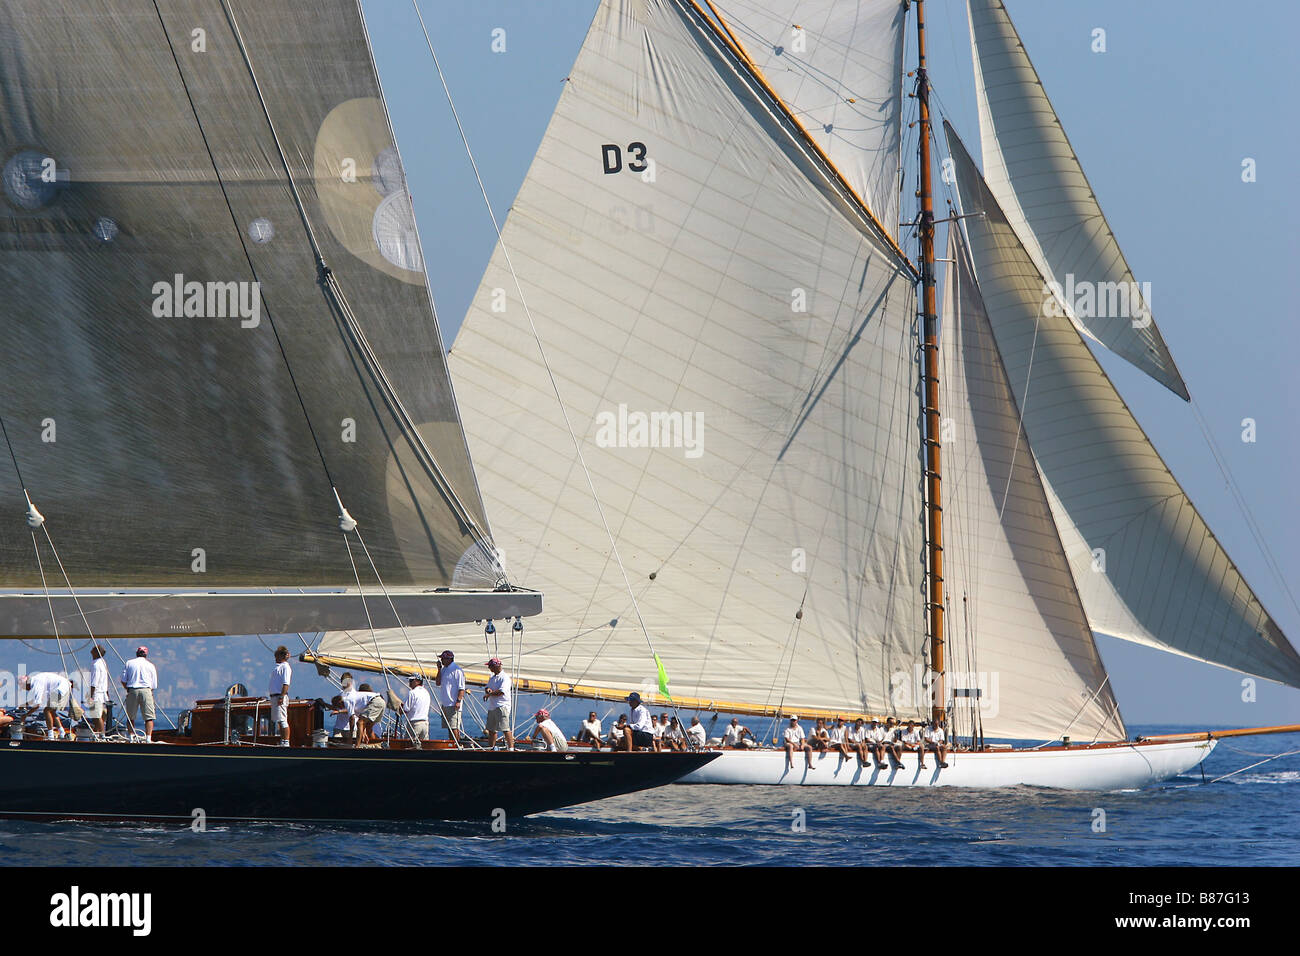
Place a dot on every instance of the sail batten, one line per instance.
(1148, 568)
(1037, 178)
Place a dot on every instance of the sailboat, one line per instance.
(699, 309)
(226, 403)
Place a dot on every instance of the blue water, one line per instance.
(1251, 819)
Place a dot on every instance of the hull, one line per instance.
(104, 781)
(1102, 767)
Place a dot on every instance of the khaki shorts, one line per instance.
(374, 711)
(451, 718)
(95, 708)
(139, 698)
(499, 719)
(420, 729)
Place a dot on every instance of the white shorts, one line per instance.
(280, 711)
(95, 708)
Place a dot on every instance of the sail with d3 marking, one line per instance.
(733, 341)
(217, 318)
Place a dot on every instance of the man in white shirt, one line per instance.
(140, 680)
(617, 731)
(50, 692)
(342, 718)
(936, 741)
(372, 712)
(795, 740)
(547, 735)
(416, 708)
(450, 679)
(839, 740)
(590, 732)
(910, 741)
(638, 724)
(97, 694)
(278, 691)
(497, 693)
(356, 702)
(737, 736)
(697, 734)
(672, 737)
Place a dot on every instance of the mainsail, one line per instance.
(1148, 568)
(171, 333)
(1037, 179)
(838, 64)
(1017, 629)
(734, 345)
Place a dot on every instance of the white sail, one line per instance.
(1038, 181)
(1017, 624)
(838, 64)
(1148, 568)
(719, 285)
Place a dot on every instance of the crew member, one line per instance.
(638, 725)
(547, 735)
(140, 680)
(497, 693)
(97, 695)
(416, 708)
(450, 679)
(279, 694)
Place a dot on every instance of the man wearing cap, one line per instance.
(450, 679)
(497, 693)
(795, 740)
(416, 708)
(638, 723)
(278, 691)
(547, 735)
(140, 680)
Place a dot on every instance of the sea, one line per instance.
(1234, 814)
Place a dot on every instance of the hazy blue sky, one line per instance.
(1161, 121)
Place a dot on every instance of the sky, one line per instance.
(1162, 121)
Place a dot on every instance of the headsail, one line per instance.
(1018, 627)
(735, 347)
(839, 66)
(154, 264)
(1037, 179)
(1147, 566)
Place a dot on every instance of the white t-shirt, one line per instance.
(616, 733)
(912, 736)
(937, 735)
(99, 679)
(674, 732)
(857, 734)
(592, 727)
(138, 672)
(499, 682)
(837, 735)
(452, 682)
(558, 743)
(733, 735)
(417, 704)
(639, 719)
(356, 700)
(698, 734)
(793, 735)
(876, 734)
(280, 674)
(343, 720)
(46, 682)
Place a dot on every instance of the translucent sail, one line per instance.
(1036, 177)
(1017, 624)
(734, 346)
(1147, 566)
(838, 64)
(145, 391)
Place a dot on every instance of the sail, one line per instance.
(1016, 631)
(1037, 179)
(1148, 568)
(838, 64)
(735, 348)
(166, 326)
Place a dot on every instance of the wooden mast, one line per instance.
(930, 388)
